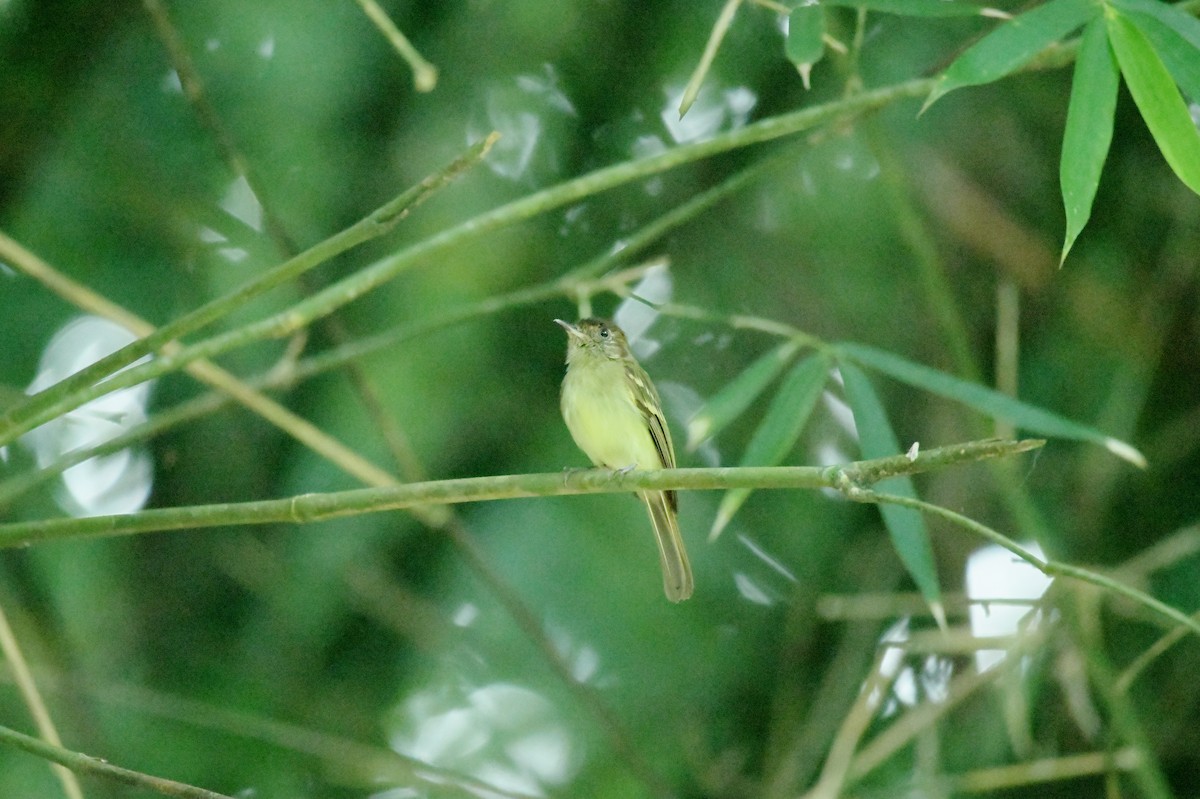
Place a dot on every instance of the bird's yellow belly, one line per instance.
(604, 422)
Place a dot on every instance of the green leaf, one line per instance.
(1182, 23)
(988, 401)
(1180, 55)
(728, 403)
(779, 429)
(1089, 128)
(917, 8)
(1157, 98)
(906, 526)
(1013, 44)
(805, 45)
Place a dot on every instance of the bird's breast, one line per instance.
(603, 420)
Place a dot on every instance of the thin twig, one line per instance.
(854, 726)
(720, 28)
(94, 766)
(1036, 772)
(33, 700)
(425, 75)
(206, 113)
(1051, 568)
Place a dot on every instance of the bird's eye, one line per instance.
(604, 332)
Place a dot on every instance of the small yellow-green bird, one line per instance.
(615, 416)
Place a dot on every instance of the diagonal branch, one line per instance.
(97, 767)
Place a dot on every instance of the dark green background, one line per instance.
(369, 627)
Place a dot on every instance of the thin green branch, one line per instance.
(305, 508)
(566, 285)
(760, 324)
(682, 213)
(854, 726)
(1034, 772)
(1156, 650)
(1170, 551)
(425, 74)
(720, 28)
(1051, 568)
(82, 387)
(96, 767)
(206, 114)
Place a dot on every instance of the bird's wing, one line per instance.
(650, 406)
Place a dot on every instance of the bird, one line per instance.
(614, 414)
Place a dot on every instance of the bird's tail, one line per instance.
(677, 572)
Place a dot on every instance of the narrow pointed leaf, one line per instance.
(988, 401)
(917, 8)
(1174, 34)
(729, 403)
(1013, 44)
(907, 528)
(1180, 55)
(805, 46)
(1157, 99)
(1181, 22)
(780, 428)
(1089, 128)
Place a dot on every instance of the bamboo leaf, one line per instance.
(805, 46)
(728, 403)
(918, 8)
(1180, 54)
(906, 526)
(1157, 98)
(1089, 128)
(988, 401)
(1013, 44)
(779, 430)
(1181, 22)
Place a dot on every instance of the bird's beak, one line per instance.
(572, 331)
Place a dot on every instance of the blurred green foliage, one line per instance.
(541, 655)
